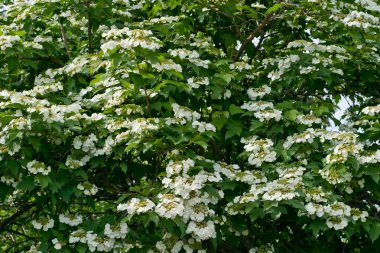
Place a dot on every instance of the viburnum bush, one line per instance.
(189, 126)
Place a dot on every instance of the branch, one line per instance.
(65, 40)
(255, 32)
(4, 224)
(89, 28)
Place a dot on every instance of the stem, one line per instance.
(147, 100)
(255, 32)
(65, 40)
(89, 28)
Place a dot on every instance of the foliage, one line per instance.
(189, 126)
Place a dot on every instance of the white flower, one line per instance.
(116, 231)
(258, 92)
(44, 223)
(136, 206)
(201, 230)
(72, 220)
(57, 244)
(336, 222)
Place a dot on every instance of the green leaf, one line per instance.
(374, 232)
(12, 63)
(27, 183)
(44, 180)
(35, 142)
(256, 213)
(235, 109)
(233, 128)
(316, 226)
(291, 115)
(13, 167)
(273, 8)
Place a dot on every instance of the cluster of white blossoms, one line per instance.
(57, 244)
(308, 119)
(335, 175)
(283, 64)
(268, 248)
(337, 214)
(240, 66)
(185, 114)
(117, 231)
(7, 41)
(260, 92)
(71, 219)
(87, 188)
(136, 206)
(167, 64)
(134, 38)
(257, 105)
(86, 144)
(36, 167)
(260, 150)
(196, 82)
(360, 19)
(371, 110)
(310, 134)
(370, 157)
(342, 151)
(264, 111)
(369, 5)
(44, 223)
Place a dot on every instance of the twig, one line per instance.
(255, 32)
(89, 28)
(65, 40)
(4, 224)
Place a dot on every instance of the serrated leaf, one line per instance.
(273, 8)
(44, 180)
(233, 129)
(374, 232)
(235, 109)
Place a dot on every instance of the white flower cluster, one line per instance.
(7, 41)
(373, 157)
(334, 175)
(44, 223)
(282, 63)
(71, 219)
(86, 144)
(260, 149)
(360, 19)
(169, 206)
(134, 38)
(268, 114)
(308, 119)
(99, 243)
(88, 188)
(310, 134)
(196, 82)
(167, 64)
(136, 206)
(371, 110)
(260, 92)
(57, 244)
(369, 5)
(201, 230)
(311, 47)
(337, 214)
(36, 167)
(185, 114)
(257, 105)
(240, 66)
(118, 231)
(268, 248)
